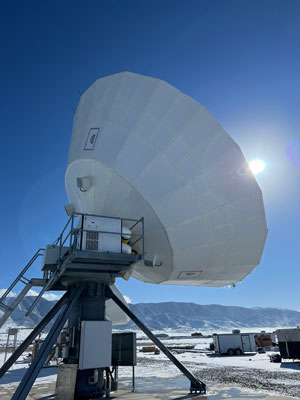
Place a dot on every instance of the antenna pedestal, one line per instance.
(81, 335)
(89, 382)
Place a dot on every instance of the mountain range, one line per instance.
(189, 316)
(176, 316)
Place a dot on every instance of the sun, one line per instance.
(257, 166)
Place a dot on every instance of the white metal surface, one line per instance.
(288, 335)
(233, 341)
(226, 342)
(152, 151)
(246, 343)
(113, 312)
(93, 237)
(253, 345)
(95, 344)
(52, 254)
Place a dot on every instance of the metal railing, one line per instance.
(69, 237)
(70, 234)
(21, 277)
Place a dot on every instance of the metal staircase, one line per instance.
(85, 275)
(29, 283)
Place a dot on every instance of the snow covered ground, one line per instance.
(17, 371)
(251, 370)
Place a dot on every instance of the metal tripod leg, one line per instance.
(30, 338)
(196, 385)
(32, 373)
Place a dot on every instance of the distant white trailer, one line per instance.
(234, 343)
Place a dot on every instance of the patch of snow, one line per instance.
(48, 296)
(11, 294)
(52, 296)
(127, 299)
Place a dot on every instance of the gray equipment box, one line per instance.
(51, 256)
(101, 234)
(123, 349)
(95, 344)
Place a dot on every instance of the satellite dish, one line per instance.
(113, 312)
(141, 148)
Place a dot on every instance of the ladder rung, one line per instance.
(24, 277)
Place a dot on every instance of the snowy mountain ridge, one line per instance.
(176, 315)
(172, 315)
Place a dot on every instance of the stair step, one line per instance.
(5, 306)
(28, 284)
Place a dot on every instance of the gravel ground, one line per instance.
(284, 383)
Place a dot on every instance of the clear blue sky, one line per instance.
(240, 59)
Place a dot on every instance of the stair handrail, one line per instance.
(25, 269)
(59, 239)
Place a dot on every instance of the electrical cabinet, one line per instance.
(95, 344)
(124, 349)
(100, 234)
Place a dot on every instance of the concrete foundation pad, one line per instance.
(66, 380)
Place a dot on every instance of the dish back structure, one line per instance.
(142, 148)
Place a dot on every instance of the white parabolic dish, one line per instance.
(152, 151)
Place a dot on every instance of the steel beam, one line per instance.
(15, 303)
(33, 371)
(196, 385)
(30, 338)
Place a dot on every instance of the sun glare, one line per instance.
(257, 166)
